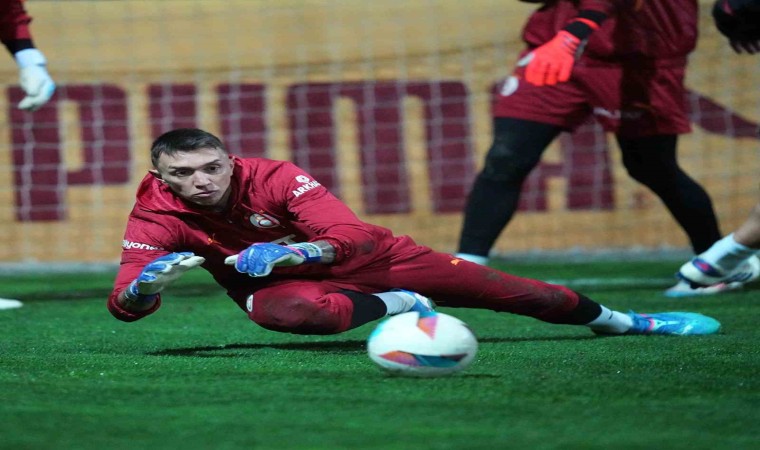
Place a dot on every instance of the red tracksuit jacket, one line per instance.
(14, 21)
(656, 30)
(271, 201)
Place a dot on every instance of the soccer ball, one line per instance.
(428, 344)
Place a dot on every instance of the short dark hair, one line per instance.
(183, 140)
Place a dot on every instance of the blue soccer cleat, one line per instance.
(422, 304)
(673, 323)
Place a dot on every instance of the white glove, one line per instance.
(160, 273)
(34, 79)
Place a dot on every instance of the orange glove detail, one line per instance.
(552, 62)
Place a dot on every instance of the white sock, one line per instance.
(727, 254)
(396, 302)
(611, 322)
(477, 259)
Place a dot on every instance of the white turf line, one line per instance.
(615, 282)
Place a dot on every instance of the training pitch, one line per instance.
(199, 375)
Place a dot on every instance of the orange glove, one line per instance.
(552, 62)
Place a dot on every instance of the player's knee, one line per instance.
(648, 172)
(638, 174)
(293, 314)
(506, 163)
(559, 302)
(654, 165)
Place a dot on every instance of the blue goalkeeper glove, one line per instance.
(160, 273)
(258, 260)
(34, 79)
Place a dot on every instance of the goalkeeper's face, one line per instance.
(201, 176)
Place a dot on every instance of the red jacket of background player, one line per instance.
(14, 21)
(655, 31)
(271, 201)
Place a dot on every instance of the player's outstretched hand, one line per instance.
(161, 272)
(34, 79)
(258, 260)
(552, 62)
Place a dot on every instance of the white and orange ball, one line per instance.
(429, 344)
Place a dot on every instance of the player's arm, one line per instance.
(33, 74)
(553, 62)
(141, 296)
(147, 267)
(339, 234)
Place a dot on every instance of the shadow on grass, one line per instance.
(223, 351)
(48, 294)
(350, 346)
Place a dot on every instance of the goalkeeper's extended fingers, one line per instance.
(166, 269)
(192, 262)
(164, 263)
(179, 265)
(251, 261)
(258, 260)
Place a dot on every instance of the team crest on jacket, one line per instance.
(262, 220)
(306, 185)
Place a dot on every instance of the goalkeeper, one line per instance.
(620, 61)
(33, 75)
(296, 259)
(733, 260)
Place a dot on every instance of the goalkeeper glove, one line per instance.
(160, 273)
(34, 79)
(553, 62)
(258, 260)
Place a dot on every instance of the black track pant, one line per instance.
(517, 148)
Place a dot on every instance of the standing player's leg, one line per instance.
(733, 259)
(652, 162)
(516, 150)
(748, 233)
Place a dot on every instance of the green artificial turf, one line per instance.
(199, 375)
